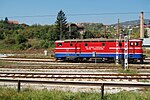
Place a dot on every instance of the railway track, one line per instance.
(71, 66)
(23, 63)
(60, 67)
(89, 76)
(147, 60)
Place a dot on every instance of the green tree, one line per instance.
(88, 34)
(52, 33)
(6, 20)
(61, 25)
(135, 33)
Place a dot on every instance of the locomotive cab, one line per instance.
(58, 49)
(135, 50)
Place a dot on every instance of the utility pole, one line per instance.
(117, 44)
(69, 30)
(60, 30)
(130, 32)
(105, 31)
(142, 25)
(118, 29)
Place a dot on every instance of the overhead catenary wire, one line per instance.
(79, 14)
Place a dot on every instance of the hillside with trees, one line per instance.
(15, 36)
(20, 37)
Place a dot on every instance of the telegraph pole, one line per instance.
(117, 44)
(105, 31)
(60, 30)
(118, 29)
(69, 30)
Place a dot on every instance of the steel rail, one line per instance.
(79, 83)
(76, 76)
(54, 66)
(59, 67)
(90, 74)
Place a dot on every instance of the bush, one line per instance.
(44, 44)
(1, 36)
(9, 41)
(24, 46)
(20, 39)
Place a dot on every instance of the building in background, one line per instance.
(146, 43)
(13, 22)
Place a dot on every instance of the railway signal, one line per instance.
(117, 52)
(126, 52)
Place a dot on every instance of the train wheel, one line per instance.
(66, 59)
(85, 59)
(80, 59)
(141, 61)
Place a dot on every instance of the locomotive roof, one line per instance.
(98, 39)
(95, 39)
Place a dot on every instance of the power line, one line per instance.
(103, 14)
(29, 16)
(81, 14)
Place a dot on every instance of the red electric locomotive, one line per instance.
(100, 48)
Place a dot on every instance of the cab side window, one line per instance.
(131, 43)
(59, 44)
(71, 44)
(120, 44)
(103, 44)
(86, 44)
(136, 44)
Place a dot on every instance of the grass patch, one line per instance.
(5, 63)
(31, 94)
(143, 95)
(33, 56)
(147, 54)
(30, 53)
(128, 71)
(144, 81)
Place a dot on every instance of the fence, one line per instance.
(102, 84)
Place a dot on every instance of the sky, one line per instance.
(35, 11)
